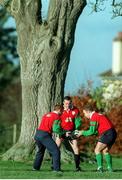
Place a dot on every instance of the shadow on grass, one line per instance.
(118, 170)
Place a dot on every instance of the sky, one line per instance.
(92, 50)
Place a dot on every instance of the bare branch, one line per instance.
(113, 2)
(97, 5)
(117, 9)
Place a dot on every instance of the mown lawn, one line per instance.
(23, 170)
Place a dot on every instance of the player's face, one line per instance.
(67, 104)
(86, 113)
(60, 111)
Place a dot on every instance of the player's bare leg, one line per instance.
(58, 141)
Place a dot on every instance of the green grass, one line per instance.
(23, 170)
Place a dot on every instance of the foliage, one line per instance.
(112, 93)
(8, 73)
(10, 113)
(114, 113)
(8, 53)
(10, 89)
(97, 96)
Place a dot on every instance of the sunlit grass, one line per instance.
(23, 170)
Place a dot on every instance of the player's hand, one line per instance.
(68, 134)
(78, 133)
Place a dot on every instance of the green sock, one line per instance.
(108, 160)
(99, 159)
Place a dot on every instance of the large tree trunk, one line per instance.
(44, 49)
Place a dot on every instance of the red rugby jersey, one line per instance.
(104, 123)
(47, 121)
(67, 118)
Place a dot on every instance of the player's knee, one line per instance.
(105, 151)
(58, 142)
(96, 151)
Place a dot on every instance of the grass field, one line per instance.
(23, 170)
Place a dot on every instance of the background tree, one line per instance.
(44, 48)
(8, 53)
(10, 88)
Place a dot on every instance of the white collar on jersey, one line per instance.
(92, 114)
(55, 112)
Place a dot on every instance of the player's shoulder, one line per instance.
(54, 115)
(75, 109)
(49, 114)
(96, 116)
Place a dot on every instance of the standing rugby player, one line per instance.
(43, 138)
(70, 121)
(100, 124)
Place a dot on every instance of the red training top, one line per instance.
(67, 118)
(103, 122)
(47, 121)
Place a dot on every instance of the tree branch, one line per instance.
(39, 13)
(113, 2)
(53, 15)
(62, 20)
(69, 14)
(72, 20)
(117, 9)
(26, 11)
(31, 9)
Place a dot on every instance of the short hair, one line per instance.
(88, 107)
(58, 107)
(68, 98)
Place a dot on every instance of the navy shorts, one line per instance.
(108, 137)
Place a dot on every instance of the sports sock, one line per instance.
(77, 160)
(108, 159)
(99, 159)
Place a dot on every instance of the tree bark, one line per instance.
(44, 50)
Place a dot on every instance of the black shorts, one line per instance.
(108, 137)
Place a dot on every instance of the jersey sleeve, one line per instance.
(92, 129)
(78, 122)
(56, 128)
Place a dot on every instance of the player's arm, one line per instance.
(56, 128)
(78, 122)
(91, 131)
